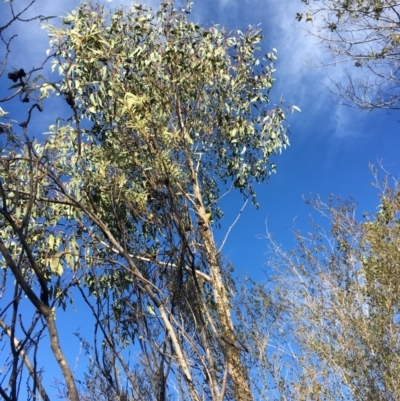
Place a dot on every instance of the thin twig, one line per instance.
(232, 225)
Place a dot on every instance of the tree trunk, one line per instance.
(237, 371)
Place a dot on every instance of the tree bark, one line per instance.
(237, 371)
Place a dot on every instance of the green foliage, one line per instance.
(152, 82)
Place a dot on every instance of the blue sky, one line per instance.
(331, 145)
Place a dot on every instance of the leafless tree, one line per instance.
(366, 35)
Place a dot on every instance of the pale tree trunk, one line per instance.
(228, 340)
(60, 357)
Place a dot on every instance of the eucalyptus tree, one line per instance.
(119, 201)
(365, 34)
